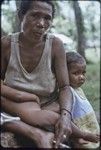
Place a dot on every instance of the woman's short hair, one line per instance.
(26, 4)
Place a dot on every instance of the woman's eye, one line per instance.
(34, 16)
(47, 18)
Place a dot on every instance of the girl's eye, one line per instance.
(84, 72)
(75, 73)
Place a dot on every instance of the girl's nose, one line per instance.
(82, 77)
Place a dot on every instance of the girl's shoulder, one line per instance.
(80, 92)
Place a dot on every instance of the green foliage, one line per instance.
(93, 54)
(65, 26)
(92, 85)
(7, 18)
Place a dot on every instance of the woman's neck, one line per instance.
(26, 41)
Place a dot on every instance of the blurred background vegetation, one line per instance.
(78, 20)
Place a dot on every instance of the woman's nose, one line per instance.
(41, 22)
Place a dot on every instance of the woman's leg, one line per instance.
(30, 113)
(40, 137)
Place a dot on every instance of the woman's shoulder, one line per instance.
(57, 47)
(5, 41)
(5, 46)
(56, 40)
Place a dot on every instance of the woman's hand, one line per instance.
(62, 129)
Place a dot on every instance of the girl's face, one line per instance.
(77, 74)
(37, 20)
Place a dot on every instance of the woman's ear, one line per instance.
(21, 23)
(22, 26)
(51, 24)
(20, 16)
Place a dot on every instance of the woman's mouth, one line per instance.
(38, 33)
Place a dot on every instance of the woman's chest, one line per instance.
(30, 59)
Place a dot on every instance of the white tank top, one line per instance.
(41, 81)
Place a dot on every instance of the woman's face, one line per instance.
(77, 74)
(37, 20)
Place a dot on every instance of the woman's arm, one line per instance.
(62, 76)
(8, 92)
(65, 96)
(16, 95)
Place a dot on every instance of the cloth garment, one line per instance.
(83, 115)
(41, 77)
(7, 118)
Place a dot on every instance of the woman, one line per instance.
(32, 62)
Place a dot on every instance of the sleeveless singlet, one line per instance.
(41, 81)
(84, 117)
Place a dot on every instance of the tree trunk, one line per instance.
(3, 33)
(16, 26)
(80, 29)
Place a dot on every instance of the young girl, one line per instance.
(82, 112)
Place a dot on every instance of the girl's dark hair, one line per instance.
(74, 57)
(26, 4)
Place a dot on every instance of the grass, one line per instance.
(92, 85)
